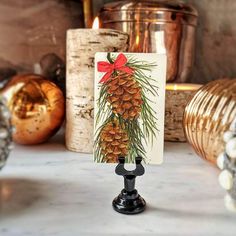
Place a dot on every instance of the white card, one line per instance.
(129, 107)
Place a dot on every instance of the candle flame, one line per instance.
(183, 87)
(137, 40)
(95, 23)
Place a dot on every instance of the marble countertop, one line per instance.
(46, 190)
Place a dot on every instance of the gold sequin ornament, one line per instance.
(37, 108)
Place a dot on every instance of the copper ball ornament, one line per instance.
(37, 108)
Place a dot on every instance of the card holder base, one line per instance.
(129, 202)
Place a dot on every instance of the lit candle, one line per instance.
(182, 87)
(82, 44)
(177, 97)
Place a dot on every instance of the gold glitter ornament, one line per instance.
(37, 108)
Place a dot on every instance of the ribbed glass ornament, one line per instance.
(208, 115)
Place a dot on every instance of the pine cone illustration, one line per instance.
(125, 118)
(114, 142)
(124, 95)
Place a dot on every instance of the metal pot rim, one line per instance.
(142, 6)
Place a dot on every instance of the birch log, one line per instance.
(177, 97)
(82, 44)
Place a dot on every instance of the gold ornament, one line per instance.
(37, 107)
(208, 115)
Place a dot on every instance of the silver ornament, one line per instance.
(220, 161)
(231, 148)
(226, 179)
(228, 135)
(5, 133)
(230, 203)
(233, 126)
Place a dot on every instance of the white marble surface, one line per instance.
(46, 190)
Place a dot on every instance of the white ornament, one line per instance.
(231, 148)
(230, 203)
(13, 129)
(11, 146)
(228, 135)
(3, 133)
(220, 161)
(6, 114)
(233, 125)
(226, 179)
(3, 143)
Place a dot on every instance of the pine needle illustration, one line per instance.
(129, 119)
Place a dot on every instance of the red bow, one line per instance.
(119, 64)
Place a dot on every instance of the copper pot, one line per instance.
(157, 26)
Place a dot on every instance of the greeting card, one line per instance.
(129, 107)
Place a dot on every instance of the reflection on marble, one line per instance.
(12, 201)
(46, 190)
